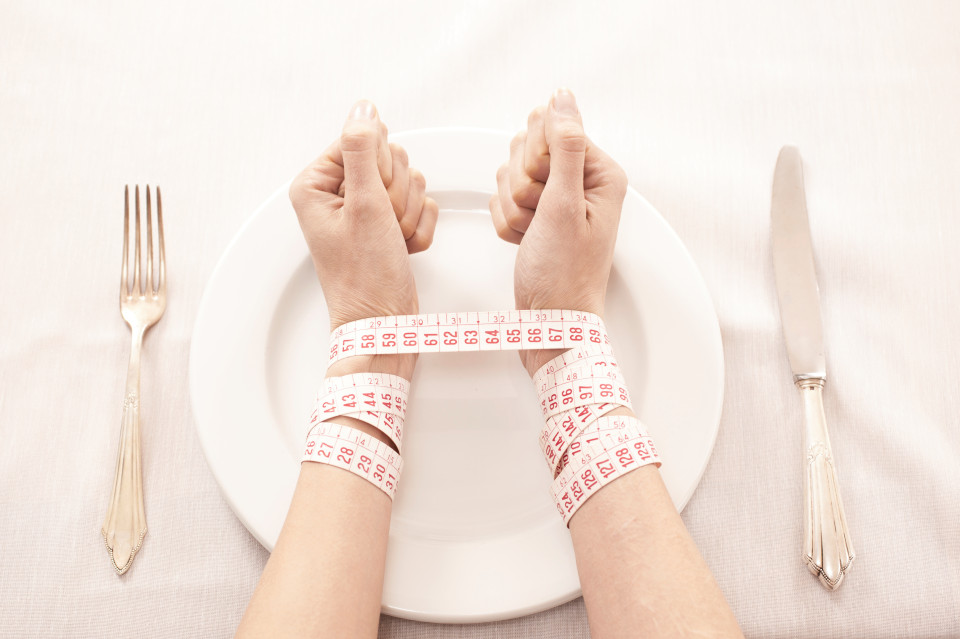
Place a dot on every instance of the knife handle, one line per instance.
(827, 549)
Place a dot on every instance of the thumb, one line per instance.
(567, 145)
(359, 143)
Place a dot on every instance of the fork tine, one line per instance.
(161, 281)
(124, 284)
(148, 282)
(136, 252)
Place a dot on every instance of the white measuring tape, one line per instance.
(377, 399)
(356, 451)
(472, 331)
(584, 448)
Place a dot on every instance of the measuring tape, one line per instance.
(472, 331)
(583, 446)
(356, 451)
(375, 398)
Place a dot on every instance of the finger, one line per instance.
(524, 190)
(399, 184)
(413, 207)
(384, 156)
(496, 209)
(422, 238)
(503, 229)
(384, 160)
(320, 180)
(359, 147)
(536, 158)
(566, 143)
(517, 217)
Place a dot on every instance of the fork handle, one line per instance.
(827, 549)
(125, 524)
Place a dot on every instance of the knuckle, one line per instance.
(302, 186)
(428, 240)
(503, 172)
(357, 138)
(408, 226)
(297, 190)
(537, 167)
(417, 180)
(416, 245)
(518, 141)
(518, 192)
(569, 137)
(398, 200)
(424, 238)
(517, 221)
(526, 194)
(536, 116)
(620, 178)
(399, 154)
(500, 225)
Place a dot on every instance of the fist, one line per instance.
(559, 197)
(362, 210)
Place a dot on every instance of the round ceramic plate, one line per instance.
(474, 534)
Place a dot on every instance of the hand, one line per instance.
(362, 210)
(559, 198)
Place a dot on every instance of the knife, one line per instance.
(827, 549)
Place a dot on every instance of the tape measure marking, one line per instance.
(469, 331)
(376, 399)
(600, 464)
(353, 450)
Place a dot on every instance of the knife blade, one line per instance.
(828, 551)
(794, 270)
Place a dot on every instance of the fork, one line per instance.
(141, 306)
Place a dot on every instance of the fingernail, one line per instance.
(363, 110)
(564, 102)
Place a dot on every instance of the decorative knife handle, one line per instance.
(827, 549)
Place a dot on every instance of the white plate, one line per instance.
(474, 535)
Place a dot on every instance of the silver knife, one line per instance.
(827, 549)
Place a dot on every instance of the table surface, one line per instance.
(222, 102)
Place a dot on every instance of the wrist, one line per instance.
(399, 365)
(534, 360)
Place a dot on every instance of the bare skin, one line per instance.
(362, 210)
(640, 571)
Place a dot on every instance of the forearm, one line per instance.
(325, 575)
(640, 572)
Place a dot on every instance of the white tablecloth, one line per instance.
(220, 102)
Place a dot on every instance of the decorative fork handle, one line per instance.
(827, 549)
(125, 524)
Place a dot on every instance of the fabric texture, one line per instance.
(220, 103)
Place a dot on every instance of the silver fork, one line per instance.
(141, 306)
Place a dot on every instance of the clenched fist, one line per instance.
(559, 197)
(362, 210)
